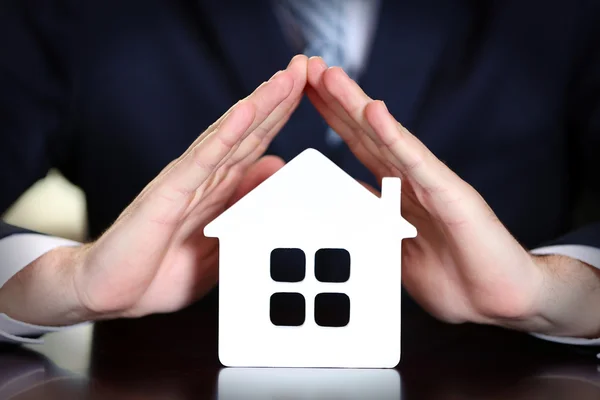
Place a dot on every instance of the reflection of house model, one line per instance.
(310, 270)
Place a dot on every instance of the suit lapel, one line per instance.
(409, 44)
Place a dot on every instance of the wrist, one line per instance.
(568, 298)
(44, 293)
(520, 303)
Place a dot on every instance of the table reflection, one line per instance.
(568, 382)
(308, 383)
(28, 375)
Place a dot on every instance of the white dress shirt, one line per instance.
(19, 250)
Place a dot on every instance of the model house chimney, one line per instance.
(390, 193)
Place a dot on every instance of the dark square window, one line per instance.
(288, 309)
(288, 265)
(332, 265)
(332, 309)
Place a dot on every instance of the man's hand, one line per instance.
(155, 258)
(464, 266)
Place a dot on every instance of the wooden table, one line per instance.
(174, 357)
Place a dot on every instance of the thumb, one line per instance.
(260, 171)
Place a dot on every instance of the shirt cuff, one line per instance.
(16, 252)
(587, 254)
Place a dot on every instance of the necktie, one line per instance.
(321, 26)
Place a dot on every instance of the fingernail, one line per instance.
(295, 57)
(320, 60)
(384, 105)
(344, 73)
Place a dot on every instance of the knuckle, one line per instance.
(205, 165)
(412, 165)
(224, 140)
(200, 161)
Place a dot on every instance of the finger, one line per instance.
(168, 201)
(263, 132)
(241, 166)
(256, 142)
(264, 102)
(265, 99)
(214, 126)
(412, 157)
(262, 147)
(260, 171)
(336, 117)
(316, 70)
(206, 157)
(189, 173)
(371, 161)
(147, 226)
(257, 97)
(353, 100)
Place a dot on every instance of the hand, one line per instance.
(464, 266)
(155, 258)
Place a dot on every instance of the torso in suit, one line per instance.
(506, 93)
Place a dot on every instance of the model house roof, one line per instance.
(311, 185)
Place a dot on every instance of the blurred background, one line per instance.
(53, 206)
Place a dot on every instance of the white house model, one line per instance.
(276, 246)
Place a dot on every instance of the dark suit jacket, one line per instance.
(506, 93)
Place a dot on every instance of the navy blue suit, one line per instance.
(506, 93)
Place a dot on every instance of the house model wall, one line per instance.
(310, 237)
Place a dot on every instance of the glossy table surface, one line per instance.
(175, 357)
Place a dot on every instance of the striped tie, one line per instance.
(321, 25)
